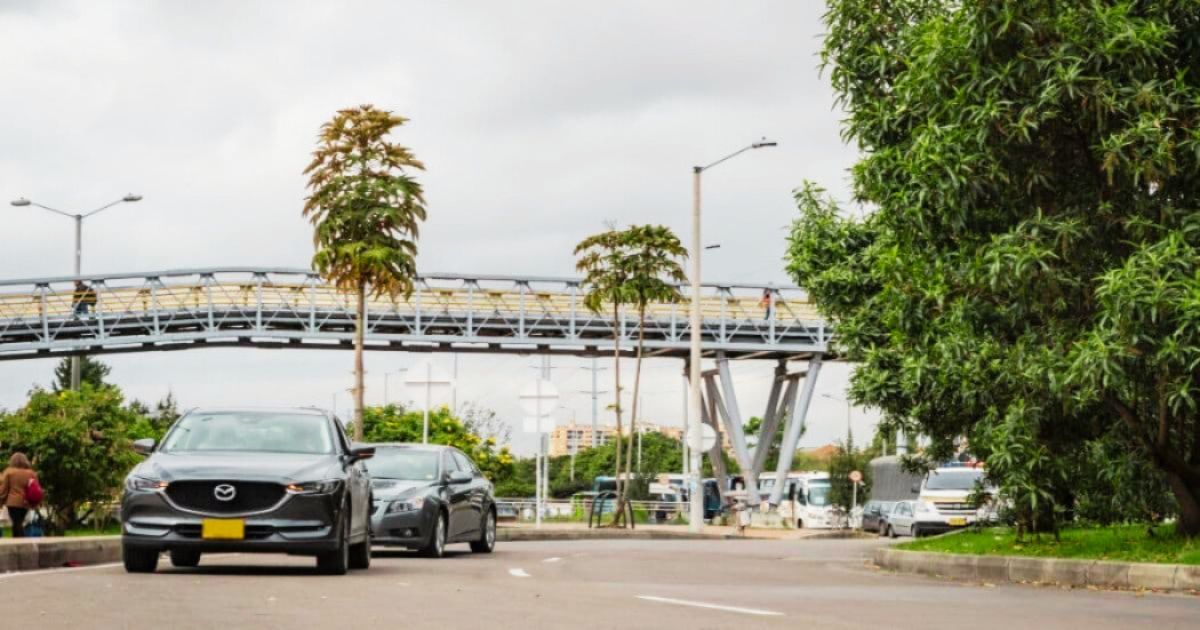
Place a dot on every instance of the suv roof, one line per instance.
(299, 411)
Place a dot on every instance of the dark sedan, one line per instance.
(875, 515)
(429, 496)
(249, 480)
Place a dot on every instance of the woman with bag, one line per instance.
(15, 484)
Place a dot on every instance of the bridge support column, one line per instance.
(794, 427)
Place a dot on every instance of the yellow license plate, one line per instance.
(958, 522)
(223, 529)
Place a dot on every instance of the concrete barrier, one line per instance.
(1062, 571)
(29, 554)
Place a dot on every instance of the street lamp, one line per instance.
(78, 217)
(696, 510)
(847, 401)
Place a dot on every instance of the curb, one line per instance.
(46, 553)
(1061, 571)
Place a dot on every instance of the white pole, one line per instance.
(425, 415)
(696, 510)
(76, 368)
(537, 499)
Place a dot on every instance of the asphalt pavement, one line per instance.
(572, 584)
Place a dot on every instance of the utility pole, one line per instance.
(595, 370)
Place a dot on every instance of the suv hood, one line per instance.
(280, 467)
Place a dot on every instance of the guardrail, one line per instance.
(578, 510)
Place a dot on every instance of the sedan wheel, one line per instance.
(487, 539)
(436, 547)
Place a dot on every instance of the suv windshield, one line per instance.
(251, 431)
(957, 480)
(404, 463)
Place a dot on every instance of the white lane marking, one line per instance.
(106, 565)
(518, 573)
(551, 559)
(685, 602)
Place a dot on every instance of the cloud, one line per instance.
(538, 121)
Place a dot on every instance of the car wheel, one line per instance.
(882, 531)
(799, 523)
(139, 560)
(337, 561)
(360, 554)
(436, 547)
(916, 531)
(185, 558)
(487, 537)
(891, 532)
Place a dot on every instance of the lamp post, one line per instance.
(78, 217)
(847, 401)
(696, 510)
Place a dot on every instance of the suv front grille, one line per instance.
(199, 496)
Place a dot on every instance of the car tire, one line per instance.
(436, 547)
(185, 558)
(916, 531)
(337, 561)
(799, 523)
(360, 554)
(139, 560)
(883, 531)
(891, 532)
(487, 535)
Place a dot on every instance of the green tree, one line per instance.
(653, 256)
(365, 209)
(154, 422)
(91, 371)
(392, 423)
(1027, 276)
(601, 260)
(846, 459)
(79, 445)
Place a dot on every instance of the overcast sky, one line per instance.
(538, 121)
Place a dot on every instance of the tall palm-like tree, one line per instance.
(601, 258)
(365, 209)
(653, 261)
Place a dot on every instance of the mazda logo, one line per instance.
(225, 492)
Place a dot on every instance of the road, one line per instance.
(572, 584)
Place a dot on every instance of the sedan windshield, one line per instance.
(404, 463)
(251, 432)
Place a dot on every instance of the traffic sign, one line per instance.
(708, 438)
(855, 476)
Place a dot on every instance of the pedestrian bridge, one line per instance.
(295, 308)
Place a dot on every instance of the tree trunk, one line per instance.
(637, 381)
(617, 388)
(1189, 505)
(360, 327)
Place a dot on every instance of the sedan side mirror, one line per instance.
(459, 476)
(144, 446)
(359, 453)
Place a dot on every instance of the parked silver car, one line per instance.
(916, 519)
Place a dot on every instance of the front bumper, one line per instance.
(402, 529)
(300, 524)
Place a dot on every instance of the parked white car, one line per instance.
(916, 519)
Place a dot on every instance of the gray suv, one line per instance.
(249, 480)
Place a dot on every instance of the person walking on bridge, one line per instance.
(13, 484)
(84, 298)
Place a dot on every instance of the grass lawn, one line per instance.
(1128, 543)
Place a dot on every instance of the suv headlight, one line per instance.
(407, 505)
(145, 484)
(314, 487)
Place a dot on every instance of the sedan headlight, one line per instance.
(314, 487)
(145, 484)
(407, 505)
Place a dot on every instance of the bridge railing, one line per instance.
(42, 312)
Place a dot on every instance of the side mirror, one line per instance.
(459, 476)
(144, 446)
(359, 453)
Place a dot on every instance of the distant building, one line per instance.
(568, 438)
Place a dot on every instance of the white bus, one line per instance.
(805, 500)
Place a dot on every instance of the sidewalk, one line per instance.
(27, 554)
